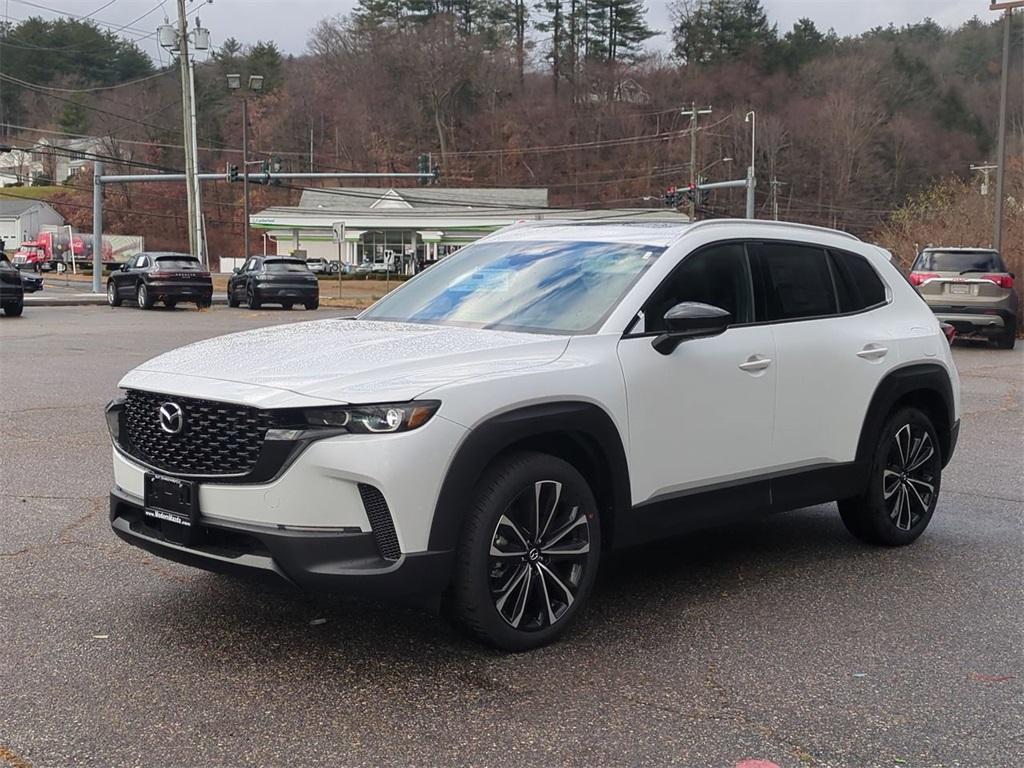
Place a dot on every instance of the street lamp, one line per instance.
(234, 82)
(751, 117)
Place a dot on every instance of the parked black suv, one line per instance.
(12, 294)
(168, 277)
(273, 280)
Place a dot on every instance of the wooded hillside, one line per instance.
(560, 94)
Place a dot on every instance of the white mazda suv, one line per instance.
(488, 430)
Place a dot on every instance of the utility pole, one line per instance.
(1007, 7)
(984, 169)
(186, 111)
(693, 113)
(775, 184)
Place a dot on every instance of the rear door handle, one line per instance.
(755, 363)
(873, 352)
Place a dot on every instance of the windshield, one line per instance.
(959, 261)
(177, 262)
(286, 266)
(542, 287)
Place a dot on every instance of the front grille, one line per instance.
(383, 526)
(216, 438)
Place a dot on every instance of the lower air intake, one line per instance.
(383, 526)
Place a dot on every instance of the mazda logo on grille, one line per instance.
(172, 418)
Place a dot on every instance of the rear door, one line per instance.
(833, 344)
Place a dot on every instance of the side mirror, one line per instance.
(237, 270)
(124, 267)
(691, 320)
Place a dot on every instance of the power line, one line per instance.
(36, 86)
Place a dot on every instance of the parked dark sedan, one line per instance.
(31, 282)
(12, 293)
(168, 277)
(273, 280)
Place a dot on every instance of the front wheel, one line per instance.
(14, 309)
(113, 297)
(232, 298)
(528, 554)
(251, 300)
(906, 472)
(170, 303)
(286, 305)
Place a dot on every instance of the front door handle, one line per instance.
(755, 363)
(873, 352)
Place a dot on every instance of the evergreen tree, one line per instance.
(618, 29)
(713, 31)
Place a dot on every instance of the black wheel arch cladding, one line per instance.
(925, 386)
(579, 432)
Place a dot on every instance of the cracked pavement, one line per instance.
(785, 641)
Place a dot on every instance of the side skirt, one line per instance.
(751, 498)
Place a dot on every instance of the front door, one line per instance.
(702, 416)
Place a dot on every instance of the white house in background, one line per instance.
(22, 220)
(54, 159)
(406, 227)
(19, 166)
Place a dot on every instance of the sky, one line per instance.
(288, 22)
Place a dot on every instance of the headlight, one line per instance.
(375, 419)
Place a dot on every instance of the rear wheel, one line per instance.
(170, 303)
(287, 305)
(14, 309)
(1008, 339)
(314, 304)
(528, 554)
(113, 297)
(204, 303)
(142, 297)
(906, 472)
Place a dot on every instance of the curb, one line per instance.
(85, 300)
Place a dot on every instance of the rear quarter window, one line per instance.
(796, 281)
(857, 283)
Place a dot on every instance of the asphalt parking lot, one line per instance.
(786, 641)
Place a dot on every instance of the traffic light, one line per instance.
(232, 172)
(423, 168)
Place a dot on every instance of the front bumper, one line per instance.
(334, 561)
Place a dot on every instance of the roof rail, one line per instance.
(771, 223)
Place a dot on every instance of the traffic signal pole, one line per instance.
(264, 177)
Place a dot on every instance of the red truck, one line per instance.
(51, 249)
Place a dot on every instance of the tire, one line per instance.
(233, 300)
(204, 303)
(1008, 339)
(287, 305)
(14, 310)
(251, 300)
(311, 305)
(113, 297)
(142, 297)
(903, 468)
(170, 303)
(515, 601)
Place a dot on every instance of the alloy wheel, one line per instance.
(142, 298)
(111, 294)
(539, 552)
(908, 480)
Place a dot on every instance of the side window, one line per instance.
(251, 266)
(142, 262)
(133, 261)
(795, 280)
(717, 275)
(857, 283)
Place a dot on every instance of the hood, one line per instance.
(339, 361)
